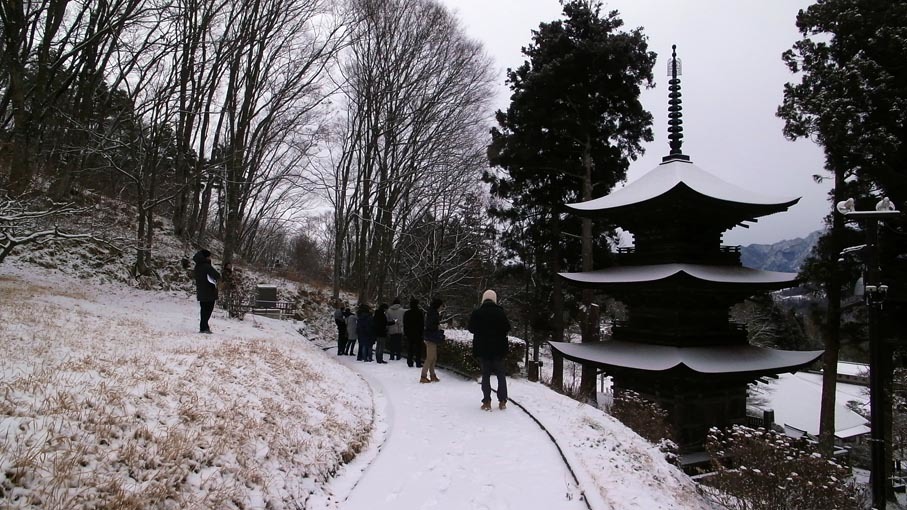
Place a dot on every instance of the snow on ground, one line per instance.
(442, 451)
(438, 450)
(111, 399)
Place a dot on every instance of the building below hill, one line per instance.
(795, 400)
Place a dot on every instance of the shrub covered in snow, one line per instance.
(456, 353)
(764, 470)
(646, 418)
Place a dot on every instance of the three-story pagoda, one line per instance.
(678, 346)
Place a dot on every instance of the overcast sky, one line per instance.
(732, 84)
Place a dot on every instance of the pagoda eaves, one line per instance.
(660, 272)
(745, 360)
(678, 176)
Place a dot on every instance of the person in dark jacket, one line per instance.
(434, 336)
(364, 332)
(413, 326)
(489, 326)
(395, 329)
(350, 332)
(379, 327)
(205, 287)
(340, 322)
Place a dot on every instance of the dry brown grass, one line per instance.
(91, 421)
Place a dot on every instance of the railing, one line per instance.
(723, 255)
(281, 309)
(723, 248)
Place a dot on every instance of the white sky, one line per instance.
(732, 84)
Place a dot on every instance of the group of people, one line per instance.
(384, 331)
(386, 328)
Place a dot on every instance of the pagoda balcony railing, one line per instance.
(724, 255)
(731, 325)
(730, 332)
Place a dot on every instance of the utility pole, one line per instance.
(874, 293)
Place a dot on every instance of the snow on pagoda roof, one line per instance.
(656, 272)
(723, 359)
(669, 175)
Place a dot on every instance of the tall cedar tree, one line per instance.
(573, 124)
(852, 99)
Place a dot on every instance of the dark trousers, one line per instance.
(379, 349)
(414, 346)
(365, 349)
(341, 343)
(206, 308)
(493, 366)
(350, 347)
(394, 345)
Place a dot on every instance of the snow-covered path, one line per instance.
(438, 450)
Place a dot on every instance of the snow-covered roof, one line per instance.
(796, 399)
(706, 360)
(669, 175)
(854, 369)
(655, 272)
(859, 430)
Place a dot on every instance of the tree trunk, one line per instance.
(832, 329)
(587, 390)
(557, 305)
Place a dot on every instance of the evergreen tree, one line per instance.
(852, 99)
(573, 124)
(852, 96)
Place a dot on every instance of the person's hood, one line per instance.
(199, 257)
(396, 306)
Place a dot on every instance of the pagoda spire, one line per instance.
(675, 115)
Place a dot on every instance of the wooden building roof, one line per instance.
(694, 186)
(717, 360)
(712, 274)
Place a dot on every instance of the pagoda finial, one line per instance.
(675, 122)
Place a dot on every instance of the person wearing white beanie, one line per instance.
(489, 326)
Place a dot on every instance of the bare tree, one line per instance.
(22, 223)
(279, 52)
(197, 68)
(51, 48)
(416, 92)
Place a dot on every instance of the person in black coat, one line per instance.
(413, 326)
(340, 322)
(489, 326)
(205, 287)
(379, 327)
(365, 333)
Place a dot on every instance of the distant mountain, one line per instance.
(785, 256)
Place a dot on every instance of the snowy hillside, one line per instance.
(112, 400)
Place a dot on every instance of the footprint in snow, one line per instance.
(444, 483)
(485, 499)
(393, 495)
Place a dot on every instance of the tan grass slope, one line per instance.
(108, 399)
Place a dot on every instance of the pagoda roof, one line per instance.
(678, 173)
(724, 359)
(662, 272)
